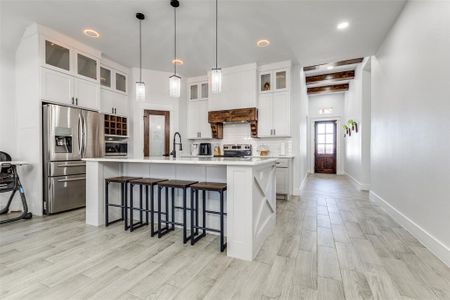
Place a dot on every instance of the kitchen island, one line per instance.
(250, 196)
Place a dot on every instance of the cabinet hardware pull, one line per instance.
(76, 101)
(73, 101)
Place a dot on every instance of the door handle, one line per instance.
(72, 179)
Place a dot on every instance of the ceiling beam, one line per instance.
(328, 89)
(337, 76)
(336, 64)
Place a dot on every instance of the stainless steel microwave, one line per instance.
(116, 146)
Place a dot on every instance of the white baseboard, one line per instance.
(429, 241)
(360, 186)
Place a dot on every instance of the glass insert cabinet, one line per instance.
(273, 81)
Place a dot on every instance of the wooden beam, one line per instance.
(338, 76)
(336, 64)
(328, 89)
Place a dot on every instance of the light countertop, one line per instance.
(224, 161)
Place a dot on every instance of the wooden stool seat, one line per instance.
(182, 184)
(121, 179)
(147, 181)
(210, 186)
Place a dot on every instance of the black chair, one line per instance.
(207, 187)
(123, 180)
(148, 183)
(10, 182)
(173, 184)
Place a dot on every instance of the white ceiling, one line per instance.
(304, 31)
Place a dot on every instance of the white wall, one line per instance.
(357, 146)
(316, 102)
(411, 123)
(300, 116)
(157, 98)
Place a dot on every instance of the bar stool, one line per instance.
(173, 184)
(123, 180)
(210, 187)
(147, 182)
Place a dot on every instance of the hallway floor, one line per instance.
(331, 243)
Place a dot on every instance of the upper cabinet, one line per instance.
(57, 56)
(274, 100)
(87, 66)
(114, 83)
(273, 81)
(198, 90)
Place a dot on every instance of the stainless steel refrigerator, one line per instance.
(69, 134)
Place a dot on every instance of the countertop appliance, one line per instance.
(205, 149)
(69, 134)
(116, 145)
(237, 150)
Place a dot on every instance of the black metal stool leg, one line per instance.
(173, 208)
(167, 207)
(131, 209)
(192, 216)
(141, 212)
(222, 229)
(185, 238)
(204, 212)
(152, 211)
(159, 211)
(146, 204)
(106, 204)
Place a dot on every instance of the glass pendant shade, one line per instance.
(140, 91)
(216, 80)
(175, 86)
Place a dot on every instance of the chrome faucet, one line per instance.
(174, 151)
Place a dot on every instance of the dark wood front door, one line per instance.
(325, 147)
(156, 132)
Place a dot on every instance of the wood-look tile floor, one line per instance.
(331, 243)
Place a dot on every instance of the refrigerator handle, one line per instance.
(80, 134)
(84, 136)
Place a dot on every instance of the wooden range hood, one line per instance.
(242, 115)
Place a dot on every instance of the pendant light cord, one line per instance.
(140, 50)
(175, 41)
(216, 30)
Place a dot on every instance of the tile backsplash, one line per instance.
(239, 133)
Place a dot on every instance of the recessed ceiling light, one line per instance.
(91, 33)
(343, 25)
(330, 68)
(177, 61)
(263, 43)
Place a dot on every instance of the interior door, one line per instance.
(156, 132)
(325, 147)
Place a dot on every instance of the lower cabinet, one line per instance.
(197, 120)
(284, 180)
(113, 103)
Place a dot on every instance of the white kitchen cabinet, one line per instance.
(87, 66)
(198, 126)
(113, 103)
(87, 94)
(274, 115)
(282, 181)
(65, 89)
(198, 91)
(273, 80)
(284, 177)
(57, 87)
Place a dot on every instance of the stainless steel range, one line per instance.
(237, 150)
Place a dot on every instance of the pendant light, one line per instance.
(175, 80)
(140, 85)
(216, 72)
